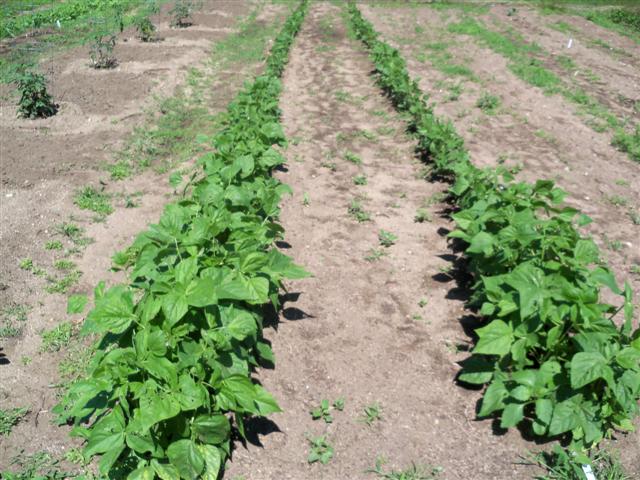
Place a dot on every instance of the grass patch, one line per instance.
(628, 142)
(88, 198)
(488, 103)
(56, 338)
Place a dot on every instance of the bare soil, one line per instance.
(44, 162)
(356, 329)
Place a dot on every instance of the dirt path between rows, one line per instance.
(357, 328)
(42, 169)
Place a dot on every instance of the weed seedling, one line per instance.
(488, 103)
(561, 465)
(321, 451)
(64, 265)
(422, 215)
(56, 338)
(102, 52)
(10, 418)
(414, 472)
(375, 254)
(63, 284)
(353, 158)
(386, 239)
(322, 412)
(53, 245)
(423, 302)
(372, 413)
(360, 179)
(634, 215)
(91, 199)
(35, 101)
(338, 404)
(358, 212)
(330, 165)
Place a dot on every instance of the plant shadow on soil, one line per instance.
(272, 316)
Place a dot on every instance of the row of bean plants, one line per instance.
(171, 382)
(557, 360)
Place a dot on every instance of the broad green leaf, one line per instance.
(529, 282)
(265, 403)
(174, 306)
(186, 457)
(242, 325)
(493, 398)
(212, 429)
(155, 408)
(482, 242)
(213, 458)
(202, 292)
(112, 313)
(564, 418)
(165, 471)
(587, 367)
(494, 339)
(512, 414)
(107, 434)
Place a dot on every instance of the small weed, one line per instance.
(322, 412)
(617, 200)
(360, 179)
(353, 158)
(422, 215)
(628, 142)
(366, 134)
(371, 414)
(338, 404)
(386, 239)
(423, 302)
(102, 52)
(414, 472)
(374, 255)
(26, 264)
(488, 103)
(64, 265)
(455, 91)
(330, 165)
(35, 101)
(560, 465)
(623, 183)
(385, 131)
(26, 360)
(306, 201)
(57, 338)
(357, 211)
(39, 466)
(634, 215)
(635, 269)
(53, 245)
(10, 418)
(321, 450)
(91, 199)
(63, 284)
(74, 233)
(119, 170)
(342, 96)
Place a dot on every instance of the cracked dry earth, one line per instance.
(356, 328)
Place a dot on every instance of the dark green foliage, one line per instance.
(146, 29)
(35, 101)
(556, 359)
(172, 379)
(102, 51)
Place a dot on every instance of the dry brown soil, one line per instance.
(44, 162)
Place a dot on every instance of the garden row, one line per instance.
(171, 382)
(555, 357)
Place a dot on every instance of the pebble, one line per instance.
(9, 195)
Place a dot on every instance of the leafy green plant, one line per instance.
(386, 239)
(35, 101)
(357, 211)
(628, 142)
(146, 29)
(182, 11)
(371, 414)
(10, 418)
(555, 357)
(171, 380)
(321, 450)
(101, 52)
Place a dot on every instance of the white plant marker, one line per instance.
(570, 43)
(588, 472)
